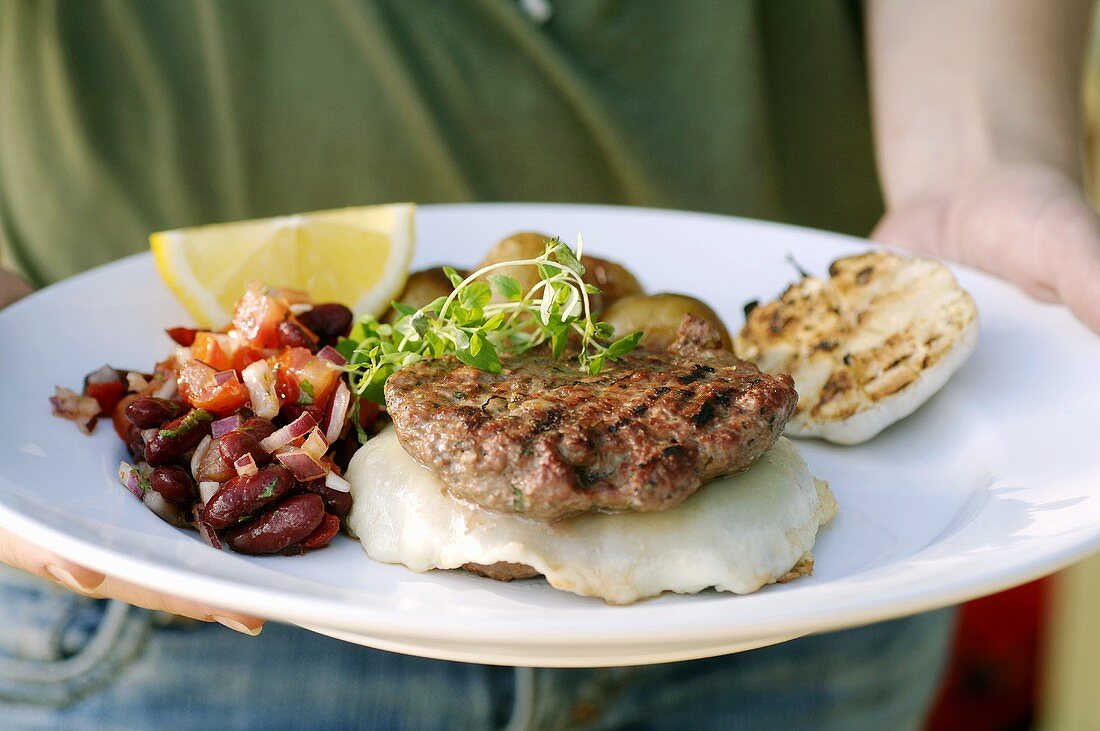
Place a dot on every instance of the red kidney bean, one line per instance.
(290, 412)
(237, 443)
(243, 496)
(174, 484)
(137, 448)
(292, 336)
(328, 322)
(212, 468)
(148, 412)
(323, 535)
(127, 431)
(336, 502)
(280, 526)
(177, 436)
(205, 531)
(257, 427)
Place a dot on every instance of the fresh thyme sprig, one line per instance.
(467, 324)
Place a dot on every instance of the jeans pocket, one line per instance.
(56, 647)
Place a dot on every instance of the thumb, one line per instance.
(917, 228)
(926, 228)
(16, 552)
(1073, 252)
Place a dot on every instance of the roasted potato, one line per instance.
(421, 288)
(523, 245)
(614, 280)
(659, 316)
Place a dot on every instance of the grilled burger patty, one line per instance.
(546, 441)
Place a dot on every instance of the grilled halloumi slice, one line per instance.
(865, 347)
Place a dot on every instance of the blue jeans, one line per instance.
(71, 663)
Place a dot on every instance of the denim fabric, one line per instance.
(73, 663)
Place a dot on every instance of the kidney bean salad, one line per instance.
(242, 434)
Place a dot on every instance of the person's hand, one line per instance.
(20, 554)
(12, 287)
(1030, 224)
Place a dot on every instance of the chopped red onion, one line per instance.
(136, 382)
(84, 410)
(167, 390)
(148, 434)
(205, 530)
(207, 488)
(337, 413)
(334, 481)
(332, 355)
(106, 374)
(223, 377)
(130, 478)
(302, 464)
(315, 444)
(245, 465)
(200, 452)
(221, 427)
(261, 389)
(183, 356)
(295, 429)
(164, 510)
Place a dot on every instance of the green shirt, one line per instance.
(121, 118)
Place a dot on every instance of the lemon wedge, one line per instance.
(356, 256)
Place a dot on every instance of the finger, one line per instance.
(20, 554)
(1072, 246)
(16, 552)
(927, 229)
(917, 228)
(139, 596)
(12, 287)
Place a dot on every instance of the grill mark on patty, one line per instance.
(699, 371)
(547, 421)
(642, 408)
(709, 410)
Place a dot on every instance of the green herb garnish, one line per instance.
(269, 489)
(305, 393)
(193, 419)
(477, 331)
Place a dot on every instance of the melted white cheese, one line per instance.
(735, 534)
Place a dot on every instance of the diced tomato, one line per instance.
(286, 387)
(322, 534)
(245, 357)
(211, 349)
(182, 335)
(315, 377)
(198, 387)
(107, 394)
(290, 412)
(257, 316)
(368, 413)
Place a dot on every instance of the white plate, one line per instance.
(994, 482)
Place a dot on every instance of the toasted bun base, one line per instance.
(867, 346)
(735, 534)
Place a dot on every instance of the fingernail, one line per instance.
(68, 580)
(237, 626)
